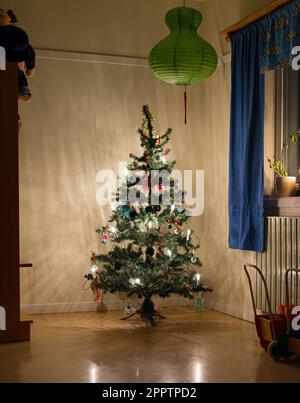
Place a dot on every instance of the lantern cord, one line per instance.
(185, 106)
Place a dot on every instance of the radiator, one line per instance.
(282, 253)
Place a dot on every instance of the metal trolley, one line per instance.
(274, 331)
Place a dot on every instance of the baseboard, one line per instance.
(233, 311)
(109, 304)
(116, 304)
(37, 309)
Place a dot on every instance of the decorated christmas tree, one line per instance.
(152, 249)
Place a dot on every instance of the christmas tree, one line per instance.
(152, 250)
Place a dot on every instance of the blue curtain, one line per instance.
(246, 170)
(281, 34)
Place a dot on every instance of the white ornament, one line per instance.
(194, 258)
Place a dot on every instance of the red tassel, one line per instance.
(185, 107)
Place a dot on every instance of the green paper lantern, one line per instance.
(183, 58)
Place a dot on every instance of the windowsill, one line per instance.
(282, 206)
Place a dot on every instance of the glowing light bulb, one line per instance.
(198, 277)
(169, 253)
(150, 224)
(113, 230)
(188, 235)
(163, 159)
(135, 281)
(94, 268)
(172, 208)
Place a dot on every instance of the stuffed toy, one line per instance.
(18, 50)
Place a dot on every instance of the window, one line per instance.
(288, 118)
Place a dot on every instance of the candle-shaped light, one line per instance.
(188, 235)
(173, 208)
(198, 277)
(126, 171)
(169, 253)
(94, 268)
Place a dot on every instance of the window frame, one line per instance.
(279, 111)
(281, 105)
(287, 206)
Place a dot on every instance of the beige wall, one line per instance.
(228, 12)
(83, 118)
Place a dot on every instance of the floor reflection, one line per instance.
(187, 347)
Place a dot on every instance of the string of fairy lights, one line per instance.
(149, 244)
(111, 231)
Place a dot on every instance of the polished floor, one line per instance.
(185, 347)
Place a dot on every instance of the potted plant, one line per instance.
(285, 185)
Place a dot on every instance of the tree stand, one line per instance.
(146, 312)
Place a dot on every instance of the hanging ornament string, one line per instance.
(185, 105)
(185, 94)
(84, 287)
